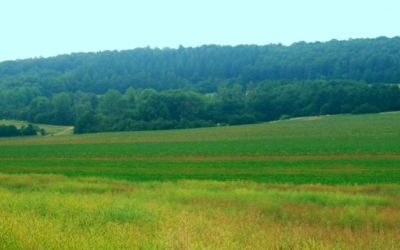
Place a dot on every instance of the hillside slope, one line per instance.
(204, 68)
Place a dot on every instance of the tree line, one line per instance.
(12, 130)
(231, 104)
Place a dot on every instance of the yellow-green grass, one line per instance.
(50, 129)
(56, 212)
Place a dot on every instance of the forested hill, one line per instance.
(206, 86)
(203, 68)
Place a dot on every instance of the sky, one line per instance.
(42, 28)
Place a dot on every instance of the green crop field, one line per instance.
(330, 182)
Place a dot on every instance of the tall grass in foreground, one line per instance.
(56, 212)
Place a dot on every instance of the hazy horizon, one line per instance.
(47, 28)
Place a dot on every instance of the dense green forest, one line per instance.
(204, 86)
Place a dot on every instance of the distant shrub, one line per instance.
(42, 131)
(28, 130)
(285, 117)
(12, 130)
(8, 131)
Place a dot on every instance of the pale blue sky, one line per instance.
(33, 28)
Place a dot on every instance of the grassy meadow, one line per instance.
(329, 182)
